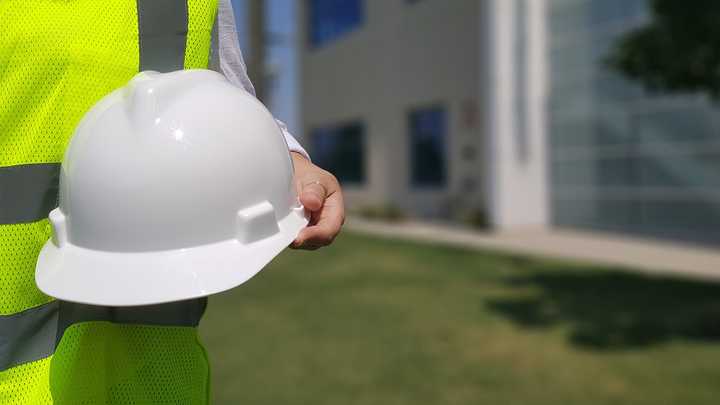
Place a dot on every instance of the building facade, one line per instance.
(506, 108)
(389, 100)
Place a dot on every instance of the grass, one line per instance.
(378, 321)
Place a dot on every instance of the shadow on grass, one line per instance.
(611, 309)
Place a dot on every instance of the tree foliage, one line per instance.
(677, 51)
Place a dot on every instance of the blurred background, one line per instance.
(534, 199)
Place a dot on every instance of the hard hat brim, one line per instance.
(76, 274)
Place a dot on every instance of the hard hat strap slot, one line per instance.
(256, 222)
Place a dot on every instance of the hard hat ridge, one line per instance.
(150, 93)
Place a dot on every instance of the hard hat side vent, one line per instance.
(256, 222)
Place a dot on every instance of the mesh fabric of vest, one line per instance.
(57, 58)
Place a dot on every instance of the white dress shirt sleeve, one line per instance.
(226, 58)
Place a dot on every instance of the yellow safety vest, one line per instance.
(57, 58)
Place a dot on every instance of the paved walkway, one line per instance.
(633, 253)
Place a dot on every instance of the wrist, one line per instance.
(299, 159)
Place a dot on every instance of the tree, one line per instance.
(678, 51)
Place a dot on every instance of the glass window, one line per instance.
(646, 161)
(428, 129)
(686, 122)
(340, 150)
(696, 169)
(330, 19)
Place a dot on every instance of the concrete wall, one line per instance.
(404, 56)
(515, 91)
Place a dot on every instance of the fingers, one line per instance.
(312, 195)
(324, 226)
(320, 193)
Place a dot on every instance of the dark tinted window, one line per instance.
(330, 19)
(428, 129)
(340, 150)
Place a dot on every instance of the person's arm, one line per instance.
(318, 190)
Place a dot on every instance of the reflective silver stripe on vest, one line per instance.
(181, 313)
(28, 335)
(28, 192)
(33, 334)
(162, 33)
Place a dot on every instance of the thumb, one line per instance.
(313, 195)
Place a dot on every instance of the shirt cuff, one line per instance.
(293, 144)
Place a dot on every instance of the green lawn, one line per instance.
(375, 321)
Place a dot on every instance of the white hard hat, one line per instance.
(177, 186)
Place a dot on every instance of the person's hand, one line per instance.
(320, 193)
